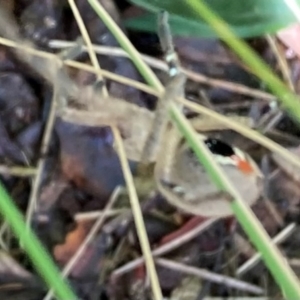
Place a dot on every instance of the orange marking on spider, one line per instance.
(243, 164)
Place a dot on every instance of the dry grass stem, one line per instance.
(32, 204)
(168, 247)
(17, 171)
(89, 45)
(279, 238)
(161, 65)
(138, 217)
(213, 277)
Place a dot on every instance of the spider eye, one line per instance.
(218, 147)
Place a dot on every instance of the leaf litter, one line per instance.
(82, 168)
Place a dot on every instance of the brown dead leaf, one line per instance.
(89, 160)
(64, 252)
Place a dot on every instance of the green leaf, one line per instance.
(247, 18)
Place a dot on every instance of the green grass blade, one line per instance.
(36, 252)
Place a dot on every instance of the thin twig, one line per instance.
(17, 171)
(245, 131)
(27, 48)
(41, 163)
(273, 122)
(138, 217)
(283, 65)
(279, 238)
(47, 68)
(234, 87)
(161, 65)
(294, 262)
(168, 247)
(3, 228)
(92, 215)
(167, 45)
(89, 238)
(88, 42)
(112, 76)
(161, 118)
(55, 60)
(284, 68)
(204, 274)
